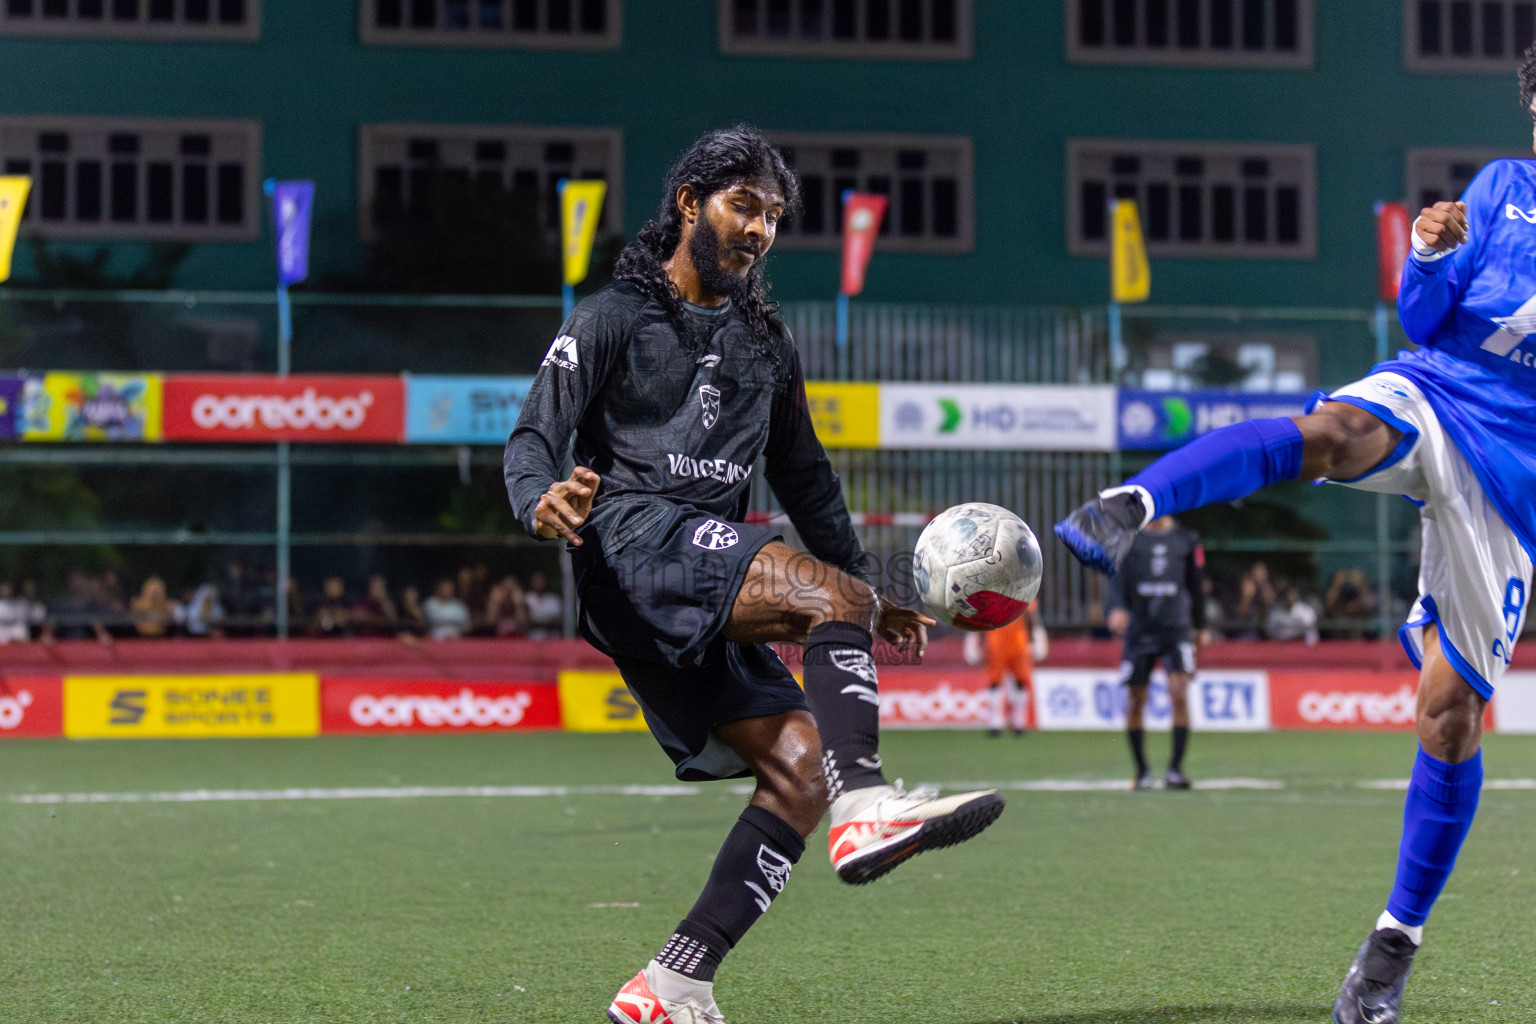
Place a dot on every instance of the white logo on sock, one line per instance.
(774, 866)
(856, 662)
(864, 693)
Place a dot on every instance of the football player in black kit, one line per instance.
(1157, 605)
(675, 379)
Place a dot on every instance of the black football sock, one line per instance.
(844, 694)
(1138, 749)
(1180, 741)
(750, 870)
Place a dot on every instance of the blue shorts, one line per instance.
(657, 607)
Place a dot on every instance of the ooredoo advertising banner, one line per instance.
(1219, 700)
(322, 409)
(1034, 417)
(1344, 700)
(142, 707)
(31, 706)
(436, 705)
(463, 410)
(921, 698)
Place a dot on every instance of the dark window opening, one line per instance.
(1159, 211)
(912, 220)
(1253, 24)
(1090, 22)
(196, 145)
(125, 192)
(199, 11)
(812, 19)
(945, 21)
(1461, 29)
(778, 19)
(388, 196)
(525, 15)
(160, 188)
(231, 202)
(594, 16)
(162, 10)
(1125, 165)
(1093, 211)
(1189, 23)
(845, 19)
(911, 159)
(909, 21)
(1157, 23)
(1224, 213)
(1429, 27)
(194, 194)
(877, 20)
(1524, 33)
(53, 189)
(1255, 214)
(1288, 215)
(88, 191)
(813, 199)
(1221, 24)
(1287, 25)
(559, 15)
(1493, 30)
(231, 12)
(946, 207)
(1125, 22)
(1191, 213)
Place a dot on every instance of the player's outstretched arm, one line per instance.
(563, 509)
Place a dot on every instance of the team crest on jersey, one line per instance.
(715, 536)
(562, 353)
(709, 399)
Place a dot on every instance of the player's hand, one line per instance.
(1119, 621)
(1442, 226)
(565, 506)
(905, 628)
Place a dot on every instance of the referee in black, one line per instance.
(1156, 603)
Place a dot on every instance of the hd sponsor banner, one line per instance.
(1219, 700)
(598, 702)
(143, 707)
(91, 407)
(327, 409)
(436, 705)
(1036, 417)
(31, 706)
(1156, 420)
(922, 698)
(462, 410)
(845, 415)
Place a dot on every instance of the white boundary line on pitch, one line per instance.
(202, 796)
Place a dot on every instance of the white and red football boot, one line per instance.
(876, 828)
(658, 995)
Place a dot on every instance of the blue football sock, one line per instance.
(1442, 800)
(1223, 465)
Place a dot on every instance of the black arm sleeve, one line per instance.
(572, 373)
(1194, 579)
(802, 477)
(1119, 595)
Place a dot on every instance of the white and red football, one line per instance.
(977, 566)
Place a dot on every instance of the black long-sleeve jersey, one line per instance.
(1162, 584)
(664, 421)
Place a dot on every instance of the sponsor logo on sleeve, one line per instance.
(562, 353)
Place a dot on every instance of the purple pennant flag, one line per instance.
(292, 202)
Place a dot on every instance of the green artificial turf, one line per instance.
(1075, 908)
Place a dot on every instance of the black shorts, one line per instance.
(1175, 651)
(657, 606)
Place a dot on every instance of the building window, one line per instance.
(1207, 33)
(550, 24)
(860, 29)
(133, 19)
(171, 179)
(1438, 175)
(401, 165)
(1196, 198)
(1461, 35)
(927, 179)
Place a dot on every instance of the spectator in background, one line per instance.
(1255, 599)
(205, 612)
(78, 613)
(413, 621)
(546, 612)
(153, 613)
(1215, 614)
(1292, 618)
(1349, 598)
(17, 615)
(295, 598)
(506, 610)
(114, 602)
(447, 617)
(375, 613)
(333, 613)
(474, 585)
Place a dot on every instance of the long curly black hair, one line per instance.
(717, 160)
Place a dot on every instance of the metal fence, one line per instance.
(184, 331)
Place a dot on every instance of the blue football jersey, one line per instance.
(1473, 312)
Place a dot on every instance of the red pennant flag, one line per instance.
(862, 213)
(1392, 242)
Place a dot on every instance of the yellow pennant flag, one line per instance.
(581, 206)
(1130, 276)
(13, 199)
